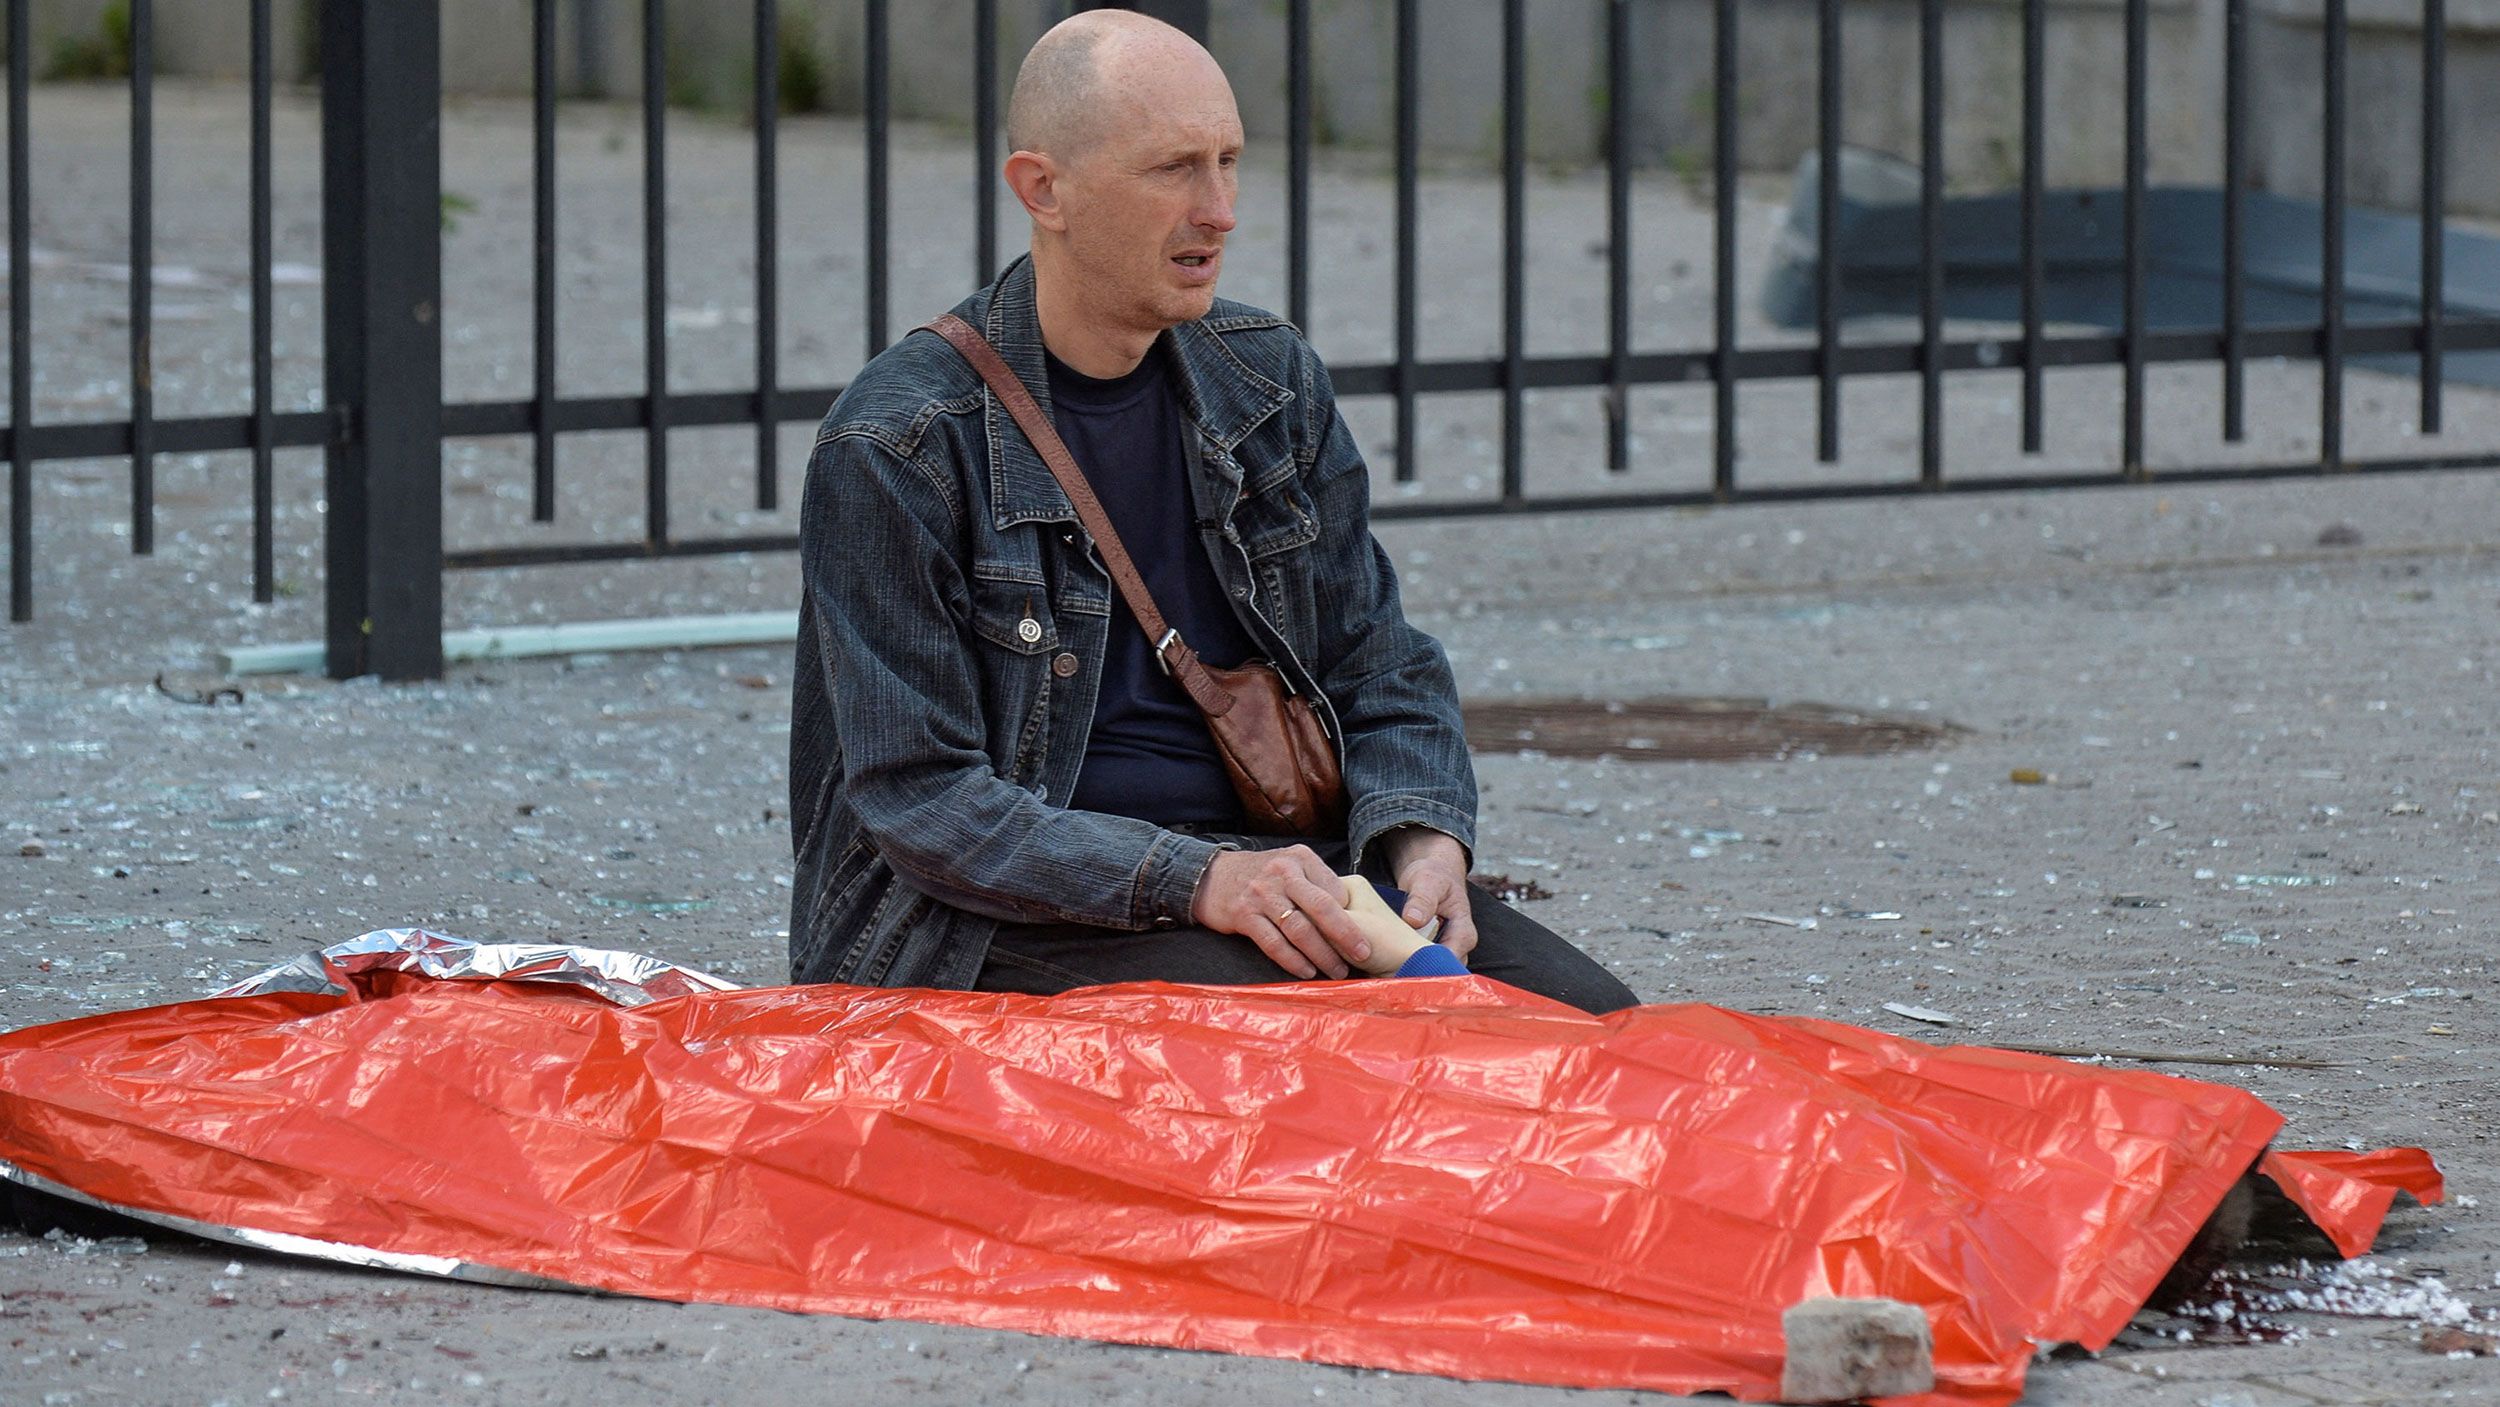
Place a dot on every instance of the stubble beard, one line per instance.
(1140, 299)
(1158, 307)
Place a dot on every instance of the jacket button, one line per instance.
(1028, 630)
(1064, 665)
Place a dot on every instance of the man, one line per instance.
(992, 784)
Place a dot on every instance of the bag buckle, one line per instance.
(1162, 660)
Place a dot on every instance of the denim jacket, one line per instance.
(951, 637)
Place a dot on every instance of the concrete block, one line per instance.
(1845, 1350)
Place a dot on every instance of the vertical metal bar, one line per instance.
(1188, 16)
(2331, 254)
(1931, 243)
(543, 287)
(655, 269)
(21, 332)
(1827, 236)
(1619, 235)
(2131, 412)
(590, 48)
(878, 142)
(264, 380)
(985, 139)
(1723, 116)
(767, 254)
(1409, 75)
(1514, 244)
(2035, 162)
(2234, 209)
(2434, 205)
(1191, 17)
(142, 277)
(381, 236)
(1298, 164)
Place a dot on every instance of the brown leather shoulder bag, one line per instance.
(1274, 745)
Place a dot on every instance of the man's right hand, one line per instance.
(1287, 901)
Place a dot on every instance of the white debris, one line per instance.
(2355, 1289)
(70, 1245)
(2368, 1290)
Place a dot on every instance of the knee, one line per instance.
(1514, 948)
(1605, 995)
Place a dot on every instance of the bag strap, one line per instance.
(1171, 651)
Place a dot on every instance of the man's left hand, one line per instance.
(1432, 868)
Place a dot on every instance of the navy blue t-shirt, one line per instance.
(1149, 755)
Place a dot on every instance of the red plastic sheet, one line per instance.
(1441, 1176)
(2347, 1194)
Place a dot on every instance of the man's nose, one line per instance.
(1215, 204)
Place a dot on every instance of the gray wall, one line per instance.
(1354, 59)
(486, 51)
(2085, 50)
(2383, 81)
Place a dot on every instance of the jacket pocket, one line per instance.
(1277, 521)
(1276, 531)
(1014, 615)
(815, 943)
(848, 875)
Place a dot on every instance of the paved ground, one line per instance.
(2222, 702)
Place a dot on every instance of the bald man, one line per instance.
(992, 783)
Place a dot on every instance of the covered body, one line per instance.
(1437, 1175)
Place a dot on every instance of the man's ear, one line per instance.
(1035, 180)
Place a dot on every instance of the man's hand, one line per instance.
(1289, 903)
(1432, 868)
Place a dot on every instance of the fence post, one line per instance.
(381, 195)
(1189, 16)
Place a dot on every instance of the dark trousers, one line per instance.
(1049, 958)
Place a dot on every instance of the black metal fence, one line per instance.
(386, 418)
(143, 436)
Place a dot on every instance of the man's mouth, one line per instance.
(1193, 261)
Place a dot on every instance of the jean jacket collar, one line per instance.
(1221, 397)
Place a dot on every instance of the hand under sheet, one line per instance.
(1393, 943)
